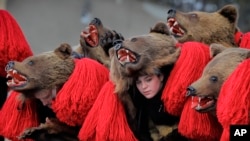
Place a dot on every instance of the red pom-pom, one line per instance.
(188, 68)
(107, 119)
(79, 93)
(17, 116)
(13, 44)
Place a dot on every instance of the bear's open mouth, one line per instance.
(90, 35)
(15, 79)
(174, 27)
(203, 104)
(126, 56)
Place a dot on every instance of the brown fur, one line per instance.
(153, 50)
(56, 65)
(51, 130)
(155, 46)
(215, 27)
(103, 38)
(44, 72)
(217, 71)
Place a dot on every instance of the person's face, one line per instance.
(149, 85)
(46, 97)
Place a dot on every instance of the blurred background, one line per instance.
(48, 23)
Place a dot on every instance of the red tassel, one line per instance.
(188, 68)
(107, 119)
(233, 104)
(237, 37)
(245, 41)
(13, 44)
(80, 91)
(88, 130)
(14, 121)
(198, 126)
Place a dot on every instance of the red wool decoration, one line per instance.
(80, 91)
(233, 106)
(106, 120)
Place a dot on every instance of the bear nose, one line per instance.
(171, 12)
(96, 21)
(191, 91)
(10, 65)
(117, 44)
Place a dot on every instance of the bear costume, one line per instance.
(143, 53)
(75, 82)
(224, 94)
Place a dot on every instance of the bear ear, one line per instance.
(230, 12)
(160, 27)
(63, 51)
(216, 49)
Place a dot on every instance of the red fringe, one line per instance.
(245, 41)
(199, 126)
(237, 37)
(242, 40)
(79, 93)
(188, 68)
(13, 44)
(107, 119)
(14, 121)
(233, 104)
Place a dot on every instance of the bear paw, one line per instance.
(108, 39)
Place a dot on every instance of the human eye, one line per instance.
(148, 79)
(138, 82)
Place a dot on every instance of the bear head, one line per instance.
(95, 42)
(215, 27)
(207, 88)
(43, 71)
(142, 53)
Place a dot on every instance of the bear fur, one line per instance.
(58, 70)
(25, 77)
(215, 27)
(208, 86)
(95, 41)
(135, 55)
(51, 130)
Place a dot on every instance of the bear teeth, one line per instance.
(174, 27)
(202, 103)
(15, 79)
(126, 56)
(90, 35)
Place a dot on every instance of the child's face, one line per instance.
(46, 97)
(149, 85)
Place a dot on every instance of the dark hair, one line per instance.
(165, 71)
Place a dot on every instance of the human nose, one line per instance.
(144, 85)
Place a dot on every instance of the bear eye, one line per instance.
(30, 63)
(193, 16)
(214, 78)
(133, 39)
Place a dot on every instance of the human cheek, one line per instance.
(139, 87)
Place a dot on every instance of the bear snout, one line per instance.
(191, 91)
(10, 65)
(171, 12)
